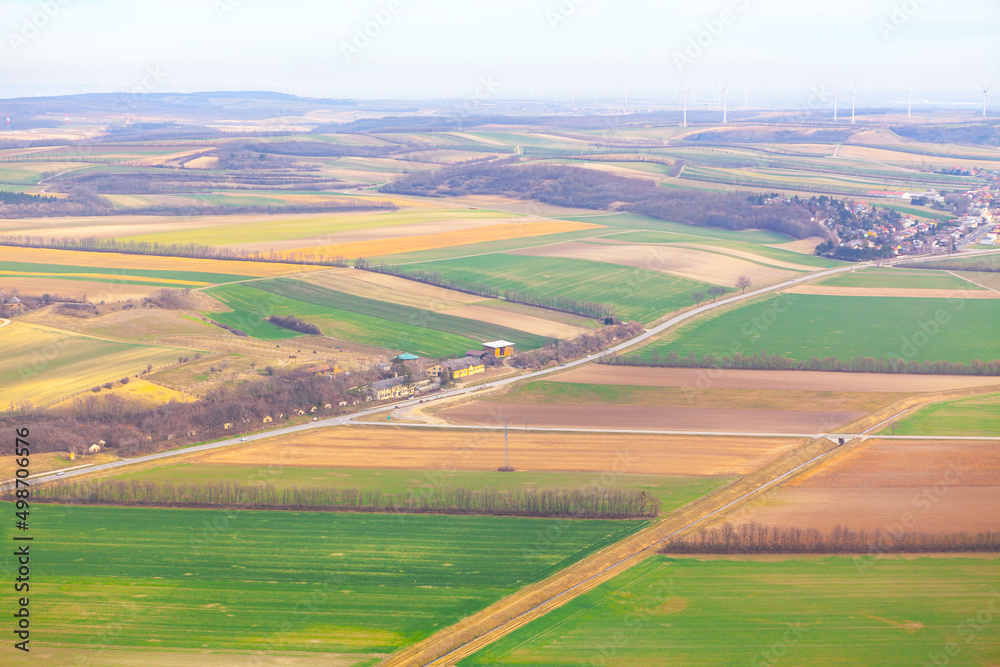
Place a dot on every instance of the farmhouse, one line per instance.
(457, 368)
(499, 348)
(396, 387)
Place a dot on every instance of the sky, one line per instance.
(496, 48)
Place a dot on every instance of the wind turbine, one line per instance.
(746, 95)
(854, 95)
(725, 101)
(986, 89)
(685, 123)
(835, 94)
(909, 103)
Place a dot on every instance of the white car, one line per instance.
(243, 439)
(60, 473)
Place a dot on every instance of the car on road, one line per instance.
(60, 473)
(243, 439)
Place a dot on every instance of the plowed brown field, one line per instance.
(454, 449)
(641, 417)
(926, 486)
(777, 380)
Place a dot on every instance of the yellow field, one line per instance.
(203, 162)
(502, 232)
(124, 261)
(148, 394)
(45, 365)
(99, 276)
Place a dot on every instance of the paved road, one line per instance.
(349, 419)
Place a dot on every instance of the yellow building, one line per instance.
(457, 368)
(499, 348)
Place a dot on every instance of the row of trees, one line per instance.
(988, 265)
(581, 503)
(587, 188)
(94, 244)
(754, 538)
(764, 362)
(295, 324)
(561, 303)
(577, 347)
(18, 198)
(126, 425)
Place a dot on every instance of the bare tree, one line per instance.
(742, 283)
(715, 291)
(697, 296)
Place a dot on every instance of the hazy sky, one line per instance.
(314, 47)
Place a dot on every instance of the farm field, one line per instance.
(698, 379)
(268, 229)
(979, 415)
(636, 293)
(545, 392)
(672, 490)
(810, 610)
(799, 326)
(145, 393)
(480, 450)
(358, 319)
(674, 418)
(717, 268)
(371, 583)
(130, 325)
(899, 279)
(392, 289)
(45, 365)
(780, 254)
(926, 486)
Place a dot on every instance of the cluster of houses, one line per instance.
(430, 377)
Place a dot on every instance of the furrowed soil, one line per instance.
(773, 380)
(926, 486)
(453, 449)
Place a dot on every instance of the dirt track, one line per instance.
(638, 417)
(364, 447)
(703, 378)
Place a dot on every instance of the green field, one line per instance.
(357, 319)
(969, 416)
(44, 366)
(641, 222)
(804, 611)
(899, 279)
(287, 581)
(636, 293)
(802, 326)
(673, 491)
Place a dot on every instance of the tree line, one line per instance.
(579, 503)
(18, 198)
(764, 362)
(132, 429)
(194, 250)
(587, 188)
(561, 303)
(754, 538)
(295, 324)
(985, 265)
(587, 343)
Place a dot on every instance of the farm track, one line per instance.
(479, 630)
